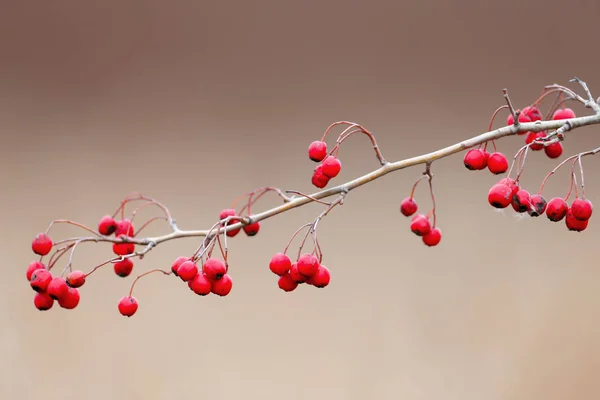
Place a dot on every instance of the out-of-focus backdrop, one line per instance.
(196, 102)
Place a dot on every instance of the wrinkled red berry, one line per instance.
(128, 305)
(574, 224)
(187, 270)
(42, 244)
(200, 284)
(107, 225)
(563, 113)
(33, 266)
(533, 136)
(433, 237)
(123, 268)
(321, 278)
(408, 207)
(178, 261)
(308, 264)
(280, 264)
(230, 212)
(76, 279)
(538, 205)
(317, 151)
(556, 209)
(420, 225)
(476, 159)
(123, 249)
(70, 300)
(40, 280)
(295, 274)
(331, 167)
(497, 163)
(554, 150)
(319, 179)
(521, 201)
(581, 209)
(251, 229)
(43, 301)
(214, 269)
(222, 287)
(286, 283)
(125, 228)
(57, 288)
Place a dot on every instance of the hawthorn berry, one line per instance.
(420, 225)
(331, 167)
(107, 225)
(476, 159)
(554, 150)
(433, 237)
(521, 201)
(321, 278)
(286, 283)
(187, 270)
(497, 163)
(57, 288)
(123, 249)
(308, 264)
(128, 305)
(214, 269)
(222, 287)
(75, 279)
(563, 113)
(200, 284)
(123, 268)
(280, 264)
(556, 209)
(538, 205)
(319, 179)
(581, 209)
(574, 224)
(124, 227)
(41, 244)
(251, 229)
(533, 136)
(295, 274)
(70, 300)
(511, 183)
(500, 195)
(40, 279)
(317, 151)
(34, 266)
(178, 261)
(230, 212)
(408, 207)
(533, 113)
(43, 301)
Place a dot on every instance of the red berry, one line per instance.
(295, 274)
(533, 136)
(408, 207)
(286, 283)
(123, 268)
(128, 305)
(521, 201)
(252, 229)
(317, 151)
(43, 301)
(563, 113)
(574, 224)
(222, 287)
(319, 179)
(500, 195)
(514, 187)
(497, 163)
(433, 237)
(178, 261)
(331, 167)
(538, 205)
(476, 159)
(57, 288)
(230, 212)
(107, 225)
(42, 244)
(556, 209)
(308, 264)
(123, 249)
(124, 227)
(533, 113)
(187, 270)
(554, 150)
(76, 279)
(200, 284)
(214, 269)
(321, 278)
(34, 266)
(280, 264)
(420, 225)
(40, 280)
(581, 209)
(70, 300)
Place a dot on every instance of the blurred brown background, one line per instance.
(195, 102)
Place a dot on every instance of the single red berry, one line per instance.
(556, 209)
(408, 207)
(521, 201)
(497, 163)
(34, 266)
(40, 280)
(574, 224)
(581, 209)
(42, 244)
(295, 274)
(230, 212)
(500, 195)
(321, 278)
(433, 237)
(308, 264)
(533, 136)
(280, 264)
(128, 305)
(76, 279)
(511, 183)
(178, 261)
(286, 283)
(214, 269)
(331, 166)
(43, 301)
(123, 249)
(187, 270)
(107, 225)
(554, 150)
(317, 151)
(476, 159)
(57, 288)
(222, 287)
(123, 268)
(538, 205)
(563, 113)
(533, 113)
(251, 229)
(125, 228)
(70, 300)
(200, 284)
(420, 225)
(319, 179)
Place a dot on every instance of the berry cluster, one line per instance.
(329, 167)
(420, 224)
(121, 229)
(306, 269)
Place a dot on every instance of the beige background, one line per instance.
(196, 102)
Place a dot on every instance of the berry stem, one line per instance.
(308, 197)
(66, 221)
(144, 274)
(412, 193)
(494, 116)
(294, 235)
(429, 180)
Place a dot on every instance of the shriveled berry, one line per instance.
(187, 270)
(32, 267)
(57, 288)
(581, 209)
(420, 225)
(538, 205)
(252, 229)
(574, 224)
(533, 136)
(107, 225)
(331, 166)
(433, 237)
(500, 195)
(319, 179)
(41, 244)
(554, 150)
(76, 279)
(476, 159)
(317, 151)
(230, 212)
(123, 268)
(123, 249)
(308, 264)
(521, 201)
(295, 274)
(286, 283)
(556, 209)
(43, 301)
(200, 284)
(280, 264)
(125, 228)
(222, 287)
(563, 113)
(70, 300)
(40, 280)
(408, 207)
(497, 163)
(128, 305)
(321, 278)
(214, 269)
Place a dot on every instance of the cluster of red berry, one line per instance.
(420, 224)
(329, 167)
(109, 226)
(307, 269)
(249, 229)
